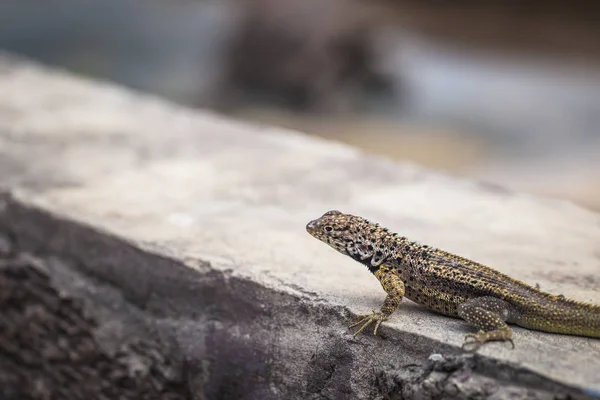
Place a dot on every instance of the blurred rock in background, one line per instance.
(308, 56)
(507, 93)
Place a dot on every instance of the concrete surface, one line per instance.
(145, 180)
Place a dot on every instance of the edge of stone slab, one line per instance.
(148, 278)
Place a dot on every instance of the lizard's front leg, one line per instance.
(394, 287)
(488, 314)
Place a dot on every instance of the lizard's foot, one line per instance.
(473, 341)
(489, 315)
(367, 320)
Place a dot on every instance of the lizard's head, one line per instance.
(351, 235)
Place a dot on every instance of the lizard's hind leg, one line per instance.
(488, 314)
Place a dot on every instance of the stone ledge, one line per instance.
(153, 326)
(191, 195)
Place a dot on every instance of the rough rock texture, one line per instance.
(187, 231)
(52, 349)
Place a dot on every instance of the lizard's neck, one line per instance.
(374, 254)
(367, 263)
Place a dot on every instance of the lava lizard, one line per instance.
(450, 285)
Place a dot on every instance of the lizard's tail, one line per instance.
(556, 314)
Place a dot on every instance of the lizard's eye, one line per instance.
(328, 229)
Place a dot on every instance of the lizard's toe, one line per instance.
(361, 319)
(473, 341)
(366, 320)
(511, 342)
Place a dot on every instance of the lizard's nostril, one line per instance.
(310, 226)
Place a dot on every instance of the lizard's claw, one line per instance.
(368, 319)
(473, 341)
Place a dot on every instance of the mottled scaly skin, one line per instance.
(450, 284)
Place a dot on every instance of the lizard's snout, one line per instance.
(310, 227)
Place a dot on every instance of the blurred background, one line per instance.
(489, 90)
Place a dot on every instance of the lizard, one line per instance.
(450, 284)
